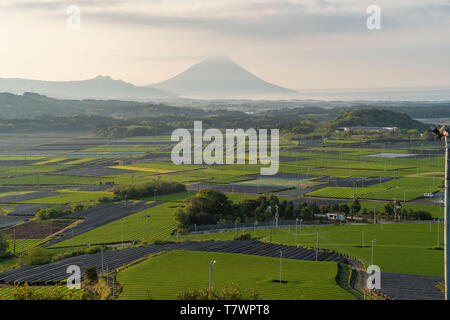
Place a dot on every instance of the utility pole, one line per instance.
(374, 216)
(14, 231)
(296, 222)
(281, 263)
(362, 239)
(395, 210)
(371, 260)
(123, 222)
(146, 224)
(101, 254)
(210, 267)
(446, 216)
(276, 216)
(317, 247)
(438, 244)
(444, 132)
(114, 283)
(271, 230)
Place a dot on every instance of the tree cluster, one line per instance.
(213, 207)
(139, 191)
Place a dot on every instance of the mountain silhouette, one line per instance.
(220, 78)
(101, 87)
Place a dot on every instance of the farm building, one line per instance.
(335, 217)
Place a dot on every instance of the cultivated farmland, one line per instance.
(164, 276)
(80, 172)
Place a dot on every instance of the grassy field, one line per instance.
(71, 197)
(164, 276)
(14, 193)
(401, 248)
(13, 170)
(49, 180)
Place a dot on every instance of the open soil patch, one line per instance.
(36, 230)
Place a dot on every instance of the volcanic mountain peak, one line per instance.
(220, 77)
(100, 87)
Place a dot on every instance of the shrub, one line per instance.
(36, 256)
(25, 292)
(245, 236)
(76, 252)
(90, 274)
(51, 213)
(78, 207)
(226, 293)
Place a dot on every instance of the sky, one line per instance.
(299, 44)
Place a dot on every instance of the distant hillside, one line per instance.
(376, 118)
(219, 78)
(101, 87)
(33, 105)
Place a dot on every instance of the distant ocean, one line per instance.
(394, 94)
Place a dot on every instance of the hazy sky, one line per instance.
(300, 44)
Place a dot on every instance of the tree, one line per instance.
(413, 132)
(344, 208)
(90, 274)
(356, 206)
(289, 212)
(138, 191)
(36, 256)
(207, 207)
(428, 136)
(50, 213)
(3, 246)
(389, 209)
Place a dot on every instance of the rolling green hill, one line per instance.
(376, 118)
